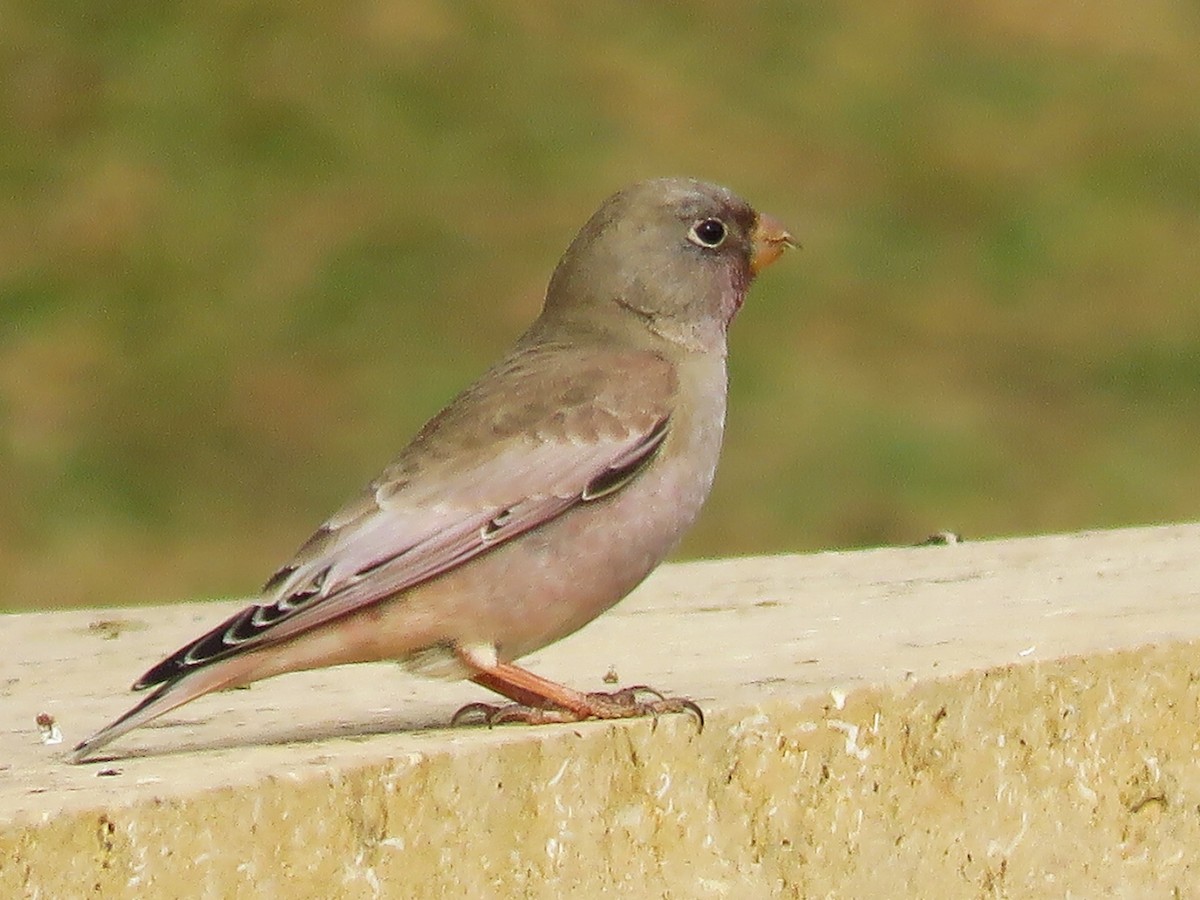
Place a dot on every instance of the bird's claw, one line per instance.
(626, 703)
(488, 714)
(474, 714)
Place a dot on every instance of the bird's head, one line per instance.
(672, 255)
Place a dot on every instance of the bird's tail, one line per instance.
(166, 698)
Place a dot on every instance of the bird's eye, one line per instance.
(708, 233)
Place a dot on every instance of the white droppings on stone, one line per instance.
(851, 731)
(756, 723)
(564, 810)
(356, 871)
(1152, 766)
(995, 848)
(558, 776)
(630, 817)
(664, 784)
(1085, 790)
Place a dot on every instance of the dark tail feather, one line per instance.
(169, 696)
(205, 649)
(114, 730)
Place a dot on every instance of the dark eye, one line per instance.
(708, 233)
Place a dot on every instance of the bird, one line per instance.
(539, 497)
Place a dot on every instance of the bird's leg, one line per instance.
(524, 687)
(540, 701)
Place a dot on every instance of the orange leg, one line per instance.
(539, 700)
(522, 686)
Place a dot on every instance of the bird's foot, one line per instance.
(626, 703)
(489, 714)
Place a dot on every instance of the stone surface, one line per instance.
(1007, 718)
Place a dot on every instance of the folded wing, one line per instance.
(477, 476)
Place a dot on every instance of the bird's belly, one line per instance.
(552, 581)
(547, 583)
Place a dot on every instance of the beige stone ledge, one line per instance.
(1006, 718)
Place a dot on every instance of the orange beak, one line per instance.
(770, 239)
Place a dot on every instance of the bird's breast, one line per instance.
(587, 560)
(553, 580)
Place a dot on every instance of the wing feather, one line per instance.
(443, 502)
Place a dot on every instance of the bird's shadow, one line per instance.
(299, 735)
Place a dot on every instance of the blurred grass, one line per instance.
(246, 248)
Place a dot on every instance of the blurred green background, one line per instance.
(246, 248)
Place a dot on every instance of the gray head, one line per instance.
(673, 255)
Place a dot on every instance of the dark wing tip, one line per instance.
(167, 670)
(204, 649)
(246, 625)
(624, 470)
